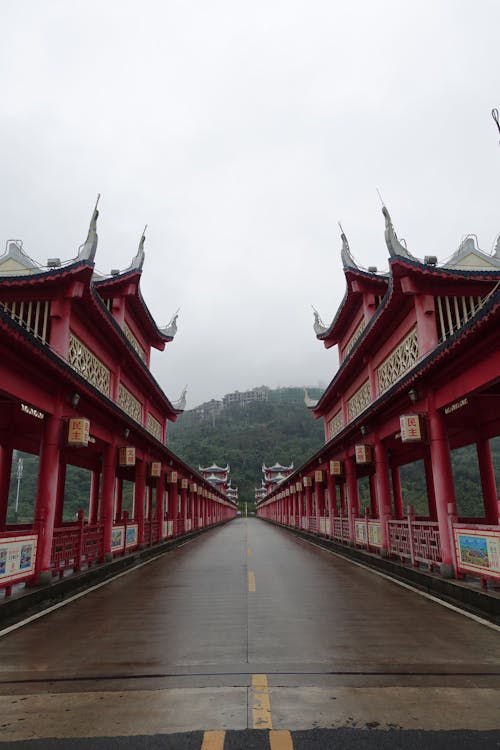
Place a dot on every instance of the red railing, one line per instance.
(416, 541)
(74, 545)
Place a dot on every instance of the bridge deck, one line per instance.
(244, 627)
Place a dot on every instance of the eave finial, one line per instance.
(347, 259)
(319, 326)
(309, 402)
(180, 404)
(88, 249)
(391, 239)
(496, 251)
(138, 260)
(171, 328)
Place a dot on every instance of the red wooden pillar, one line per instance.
(300, 503)
(139, 490)
(173, 501)
(332, 497)
(61, 481)
(352, 494)
(160, 502)
(444, 488)
(426, 323)
(107, 497)
(192, 505)
(183, 509)
(319, 478)
(293, 502)
(5, 472)
(431, 496)
(60, 313)
(383, 492)
(45, 505)
(398, 493)
(307, 481)
(118, 498)
(95, 479)
(488, 483)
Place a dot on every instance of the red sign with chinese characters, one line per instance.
(363, 454)
(155, 469)
(410, 428)
(126, 456)
(78, 432)
(336, 468)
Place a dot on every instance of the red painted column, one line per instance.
(160, 502)
(173, 500)
(118, 499)
(5, 472)
(431, 497)
(295, 511)
(107, 496)
(320, 500)
(307, 481)
(398, 493)
(383, 492)
(60, 313)
(352, 494)
(300, 503)
(443, 486)
(183, 509)
(426, 323)
(488, 482)
(61, 481)
(95, 479)
(332, 495)
(45, 504)
(139, 490)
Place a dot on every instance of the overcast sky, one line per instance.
(241, 132)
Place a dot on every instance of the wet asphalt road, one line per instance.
(250, 628)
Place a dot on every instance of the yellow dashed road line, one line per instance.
(213, 740)
(261, 705)
(251, 581)
(280, 739)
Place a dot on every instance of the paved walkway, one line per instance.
(249, 627)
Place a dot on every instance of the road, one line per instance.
(248, 636)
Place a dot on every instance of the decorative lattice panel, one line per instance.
(84, 362)
(401, 359)
(360, 401)
(355, 336)
(335, 424)
(133, 341)
(129, 403)
(153, 426)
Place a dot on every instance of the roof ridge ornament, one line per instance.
(319, 326)
(496, 250)
(88, 249)
(138, 259)
(180, 404)
(308, 401)
(394, 245)
(171, 328)
(346, 255)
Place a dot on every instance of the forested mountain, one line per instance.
(245, 437)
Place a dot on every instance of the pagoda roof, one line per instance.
(126, 284)
(277, 467)
(357, 281)
(77, 277)
(49, 360)
(404, 272)
(214, 468)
